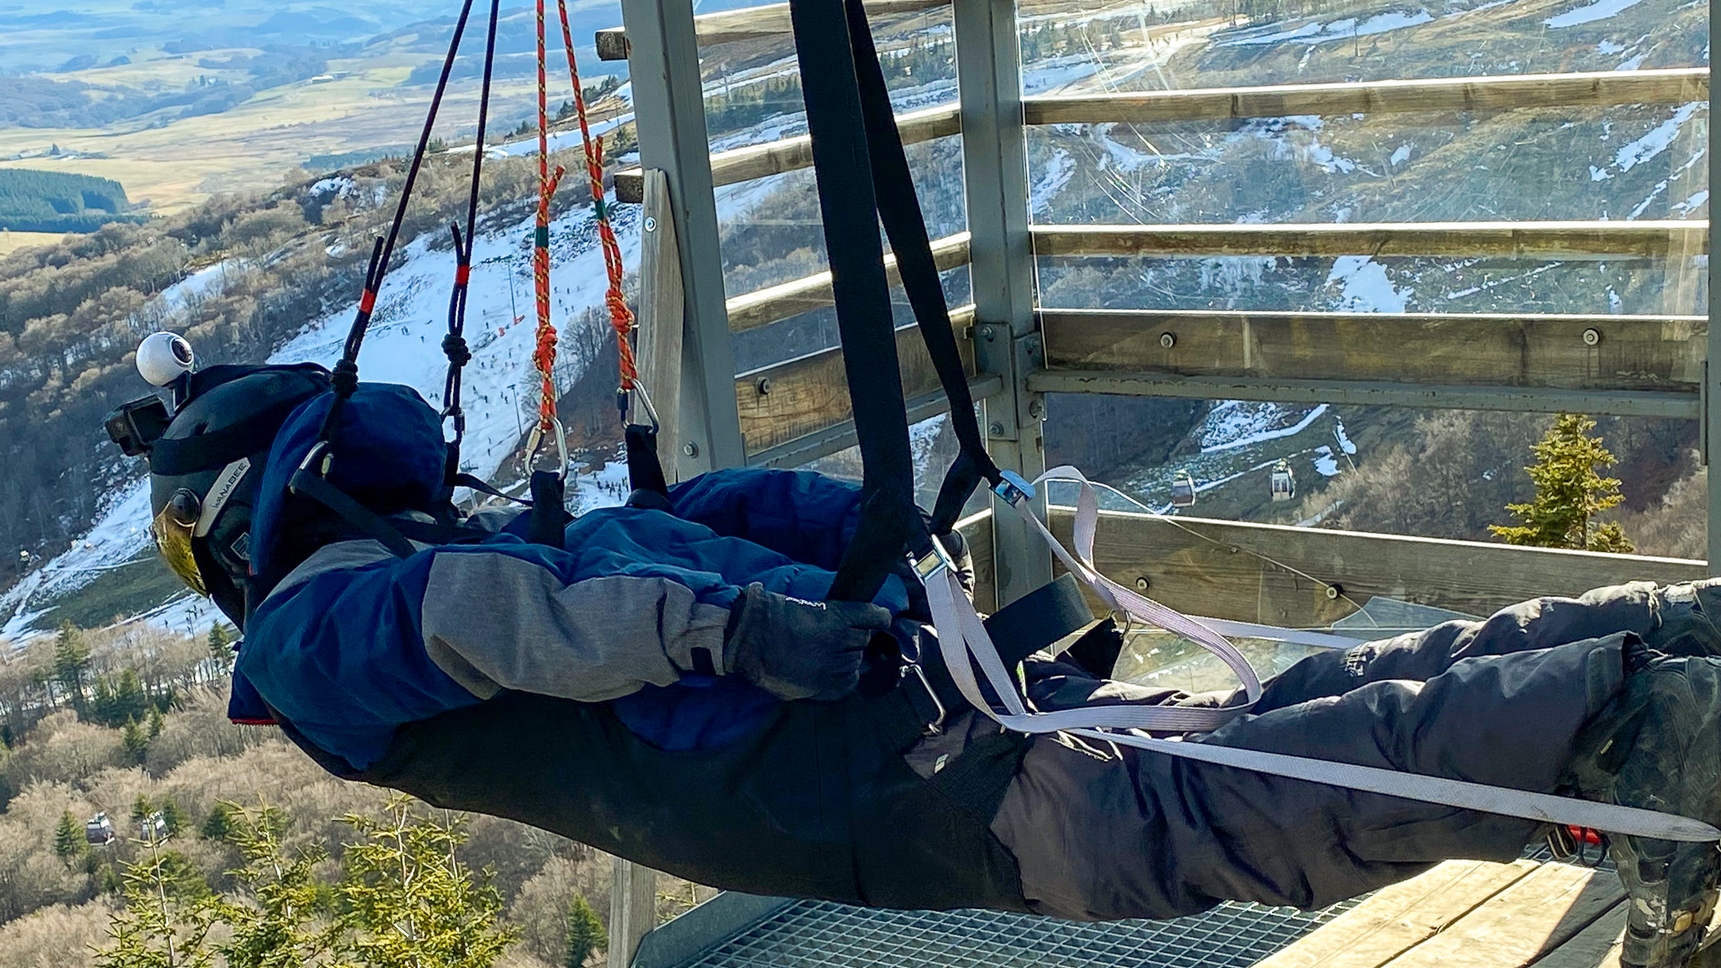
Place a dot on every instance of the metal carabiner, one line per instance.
(645, 402)
(534, 446)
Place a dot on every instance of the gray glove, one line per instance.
(796, 649)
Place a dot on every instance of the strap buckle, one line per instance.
(1013, 488)
(931, 719)
(538, 455)
(929, 565)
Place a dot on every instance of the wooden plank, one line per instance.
(662, 316)
(1597, 946)
(841, 436)
(1256, 572)
(1541, 240)
(750, 23)
(633, 910)
(1397, 918)
(766, 306)
(1547, 908)
(808, 394)
(1467, 94)
(1579, 352)
(775, 157)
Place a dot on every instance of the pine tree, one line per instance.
(69, 840)
(167, 917)
(221, 648)
(280, 926)
(141, 808)
(134, 742)
(156, 722)
(221, 822)
(172, 818)
(585, 932)
(1569, 493)
(409, 901)
(71, 662)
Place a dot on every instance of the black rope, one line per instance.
(346, 371)
(454, 344)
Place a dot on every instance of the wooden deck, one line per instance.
(1474, 914)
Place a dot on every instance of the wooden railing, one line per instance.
(751, 23)
(769, 305)
(1541, 240)
(1286, 576)
(1498, 93)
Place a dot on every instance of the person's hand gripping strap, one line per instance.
(796, 649)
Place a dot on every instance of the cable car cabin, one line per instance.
(99, 830)
(1283, 483)
(1183, 490)
(153, 828)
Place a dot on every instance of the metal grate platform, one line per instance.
(817, 934)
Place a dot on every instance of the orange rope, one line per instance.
(621, 317)
(544, 355)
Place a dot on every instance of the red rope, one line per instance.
(621, 317)
(544, 354)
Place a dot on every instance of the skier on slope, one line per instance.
(666, 687)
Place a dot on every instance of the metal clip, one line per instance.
(934, 725)
(645, 404)
(535, 461)
(1014, 488)
(318, 450)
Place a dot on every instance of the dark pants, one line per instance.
(1105, 832)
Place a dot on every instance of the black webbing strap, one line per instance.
(483, 487)
(905, 224)
(317, 489)
(862, 296)
(549, 511)
(644, 470)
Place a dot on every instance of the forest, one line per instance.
(54, 201)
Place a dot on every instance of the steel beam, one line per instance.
(1712, 373)
(994, 156)
(670, 111)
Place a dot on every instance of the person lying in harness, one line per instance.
(669, 687)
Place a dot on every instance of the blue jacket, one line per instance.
(355, 642)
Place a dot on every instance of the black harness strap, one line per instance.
(905, 224)
(862, 296)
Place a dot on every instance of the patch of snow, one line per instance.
(1365, 286)
(340, 185)
(1691, 204)
(1261, 436)
(1326, 464)
(1590, 13)
(1609, 48)
(1400, 155)
(1599, 174)
(1658, 139)
(1345, 443)
(1056, 174)
(1318, 33)
(1630, 63)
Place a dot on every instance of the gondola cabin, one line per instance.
(153, 828)
(1283, 482)
(1183, 490)
(99, 831)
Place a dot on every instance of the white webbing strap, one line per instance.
(963, 642)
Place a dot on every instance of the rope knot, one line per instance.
(345, 378)
(454, 347)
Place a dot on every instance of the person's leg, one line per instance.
(1112, 832)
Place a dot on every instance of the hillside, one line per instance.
(49, 201)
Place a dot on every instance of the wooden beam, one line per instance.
(1372, 393)
(766, 306)
(809, 394)
(1541, 240)
(1467, 94)
(751, 23)
(1569, 351)
(659, 335)
(1256, 572)
(841, 436)
(789, 154)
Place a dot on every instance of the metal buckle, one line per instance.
(1014, 488)
(935, 725)
(928, 566)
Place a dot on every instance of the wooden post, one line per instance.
(633, 910)
(1712, 371)
(662, 316)
(994, 157)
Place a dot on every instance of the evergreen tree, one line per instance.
(220, 823)
(280, 924)
(156, 722)
(169, 911)
(141, 808)
(221, 648)
(1569, 493)
(113, 704)
(410, 902)
(134, 742)
(71, 662)
(69, 838)
(172, 817)
(585, 932)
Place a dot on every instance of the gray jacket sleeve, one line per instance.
(495, 622)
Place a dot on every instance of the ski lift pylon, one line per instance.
(1183, 490)
(1284, 483)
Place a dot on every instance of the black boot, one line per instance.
(1658, 746)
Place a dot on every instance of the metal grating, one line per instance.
(819, 934)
